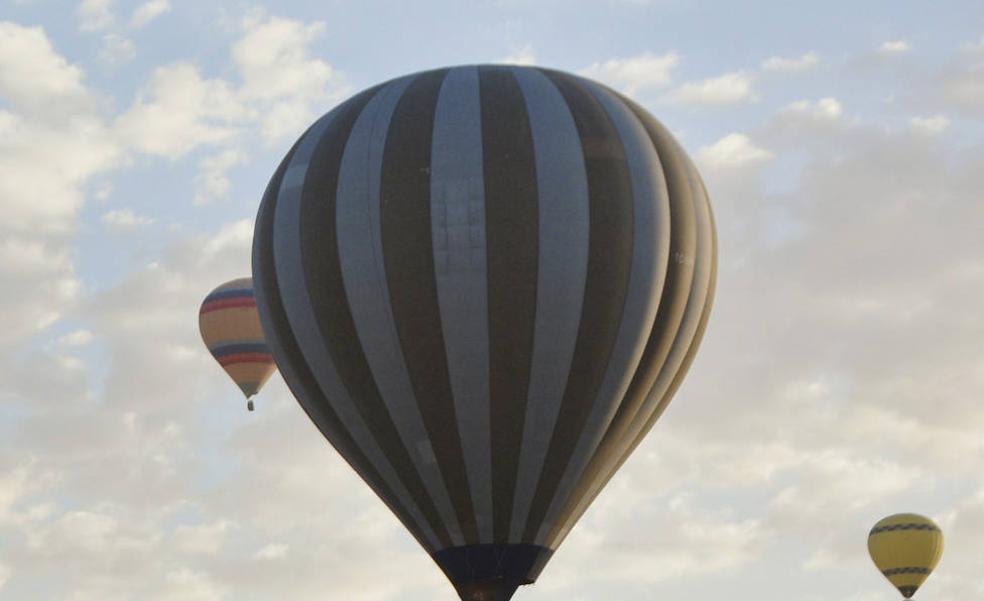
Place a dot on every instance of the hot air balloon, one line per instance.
(230, 327)
(906, 547)
(484, 284)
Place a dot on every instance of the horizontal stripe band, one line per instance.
(895, 527)
(221, 350)
(229, 303)
(230, 293)
(265, 358)
(896, 571)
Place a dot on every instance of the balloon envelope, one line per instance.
(230, 327)
(906, 547)
(484, 284)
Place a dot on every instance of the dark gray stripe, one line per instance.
(650, 254)
(458, 231)
(409, 259)
(293, 365)
(511, 214)
(294, 289)
(364, 277)
(609, 262)
(561, 272)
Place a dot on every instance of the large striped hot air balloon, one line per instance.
(230, 327)
(484, 284)
(906, 547)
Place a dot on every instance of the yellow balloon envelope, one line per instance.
(230, 327)
(906, 547)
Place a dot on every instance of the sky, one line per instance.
(840, 378)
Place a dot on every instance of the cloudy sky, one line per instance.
(841, 378)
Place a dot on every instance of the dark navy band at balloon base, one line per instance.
(486, 572)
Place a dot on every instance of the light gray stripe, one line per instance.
(650, 252)
(561, 273)
(657, 399)
(364, 276)
(300, 314)
(458, 232)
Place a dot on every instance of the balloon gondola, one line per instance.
(484, 284)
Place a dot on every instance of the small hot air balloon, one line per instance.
(484, 284)
(906, 547)
(230, 327)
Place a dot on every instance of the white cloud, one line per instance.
(729, 88)
(52, 141)
(930, 125)
(282, 88)
(733, 150)
(95, 15)
(635, 74)
(148, 11)
(861, 482)
(104, 191)
(124, 219)
(179, 110)
(521, 56)
(961, 88)
(203, 538)
(273, 551)
(894, 47)
(791, 65)
(44, 167)
(117, 49)
(280, 75)
(34, 78)
(238, 234)
(191, 585)
(824, 108)
(40, 286)
(76, 339)
(691, 541)
(213, 182)
(97, 532)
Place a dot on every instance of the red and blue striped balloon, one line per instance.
(230, 327)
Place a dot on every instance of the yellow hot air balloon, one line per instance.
(230, 327)
(906, 547)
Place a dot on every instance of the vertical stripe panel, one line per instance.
(368, 296)
(693, 262)
(296, 371)
(705, 281)
(610, 249)
(511, 213)
(409, 259)
(695, 259)
(650, 251)
(294, 269)
(650, 181)
(562, 267)
(458, 233)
